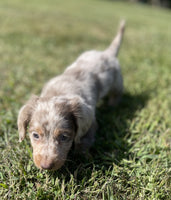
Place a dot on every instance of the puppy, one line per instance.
(65, 110)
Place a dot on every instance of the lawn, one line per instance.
(131, 158)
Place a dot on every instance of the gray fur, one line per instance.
(65, 110)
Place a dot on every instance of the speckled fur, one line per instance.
(65, 111)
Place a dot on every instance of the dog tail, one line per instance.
(115, 45)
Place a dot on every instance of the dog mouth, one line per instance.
(48, 164)
(52, 167)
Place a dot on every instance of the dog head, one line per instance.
(53, 124)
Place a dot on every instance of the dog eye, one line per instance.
(35, 135)
(63, 137)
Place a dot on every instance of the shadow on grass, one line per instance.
(112, 137)
(111, 144)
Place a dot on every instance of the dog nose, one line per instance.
(47, 165)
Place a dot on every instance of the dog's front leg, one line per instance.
(87, 140)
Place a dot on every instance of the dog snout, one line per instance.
(47, 165)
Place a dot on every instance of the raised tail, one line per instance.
(115, 45)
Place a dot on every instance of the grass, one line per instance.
(131, 158)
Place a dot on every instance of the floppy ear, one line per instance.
(84, 115)
(24, 117)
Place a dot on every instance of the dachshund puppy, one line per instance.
(65, 110)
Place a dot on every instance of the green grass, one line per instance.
(131, 158)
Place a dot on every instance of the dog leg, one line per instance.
(87, 140)
(116, 91)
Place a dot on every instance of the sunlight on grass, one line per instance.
(131, 157)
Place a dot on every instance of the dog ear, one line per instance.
(84, 115)
(24, 116)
